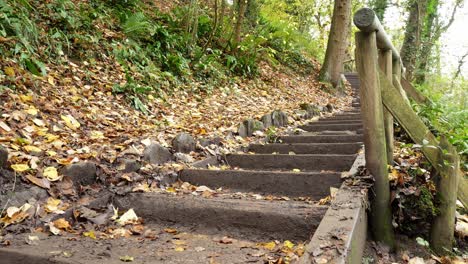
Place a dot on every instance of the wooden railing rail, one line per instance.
(384, 97)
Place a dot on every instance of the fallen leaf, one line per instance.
(51, 174)
(5, 126)
(32, 149)
(63, 224)
(90, 234)
(269, 245)
(70, 121)
(10, 71)
(179, 249)
(15, 215)
(41, 182)
(128, 217)
(170, 230)
(126, 258)
(20, 167)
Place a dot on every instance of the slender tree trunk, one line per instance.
(337, 42)
(412, 41)
(427, 42)
(238, 27)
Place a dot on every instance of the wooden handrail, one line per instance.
(367, 21)
(389, 88)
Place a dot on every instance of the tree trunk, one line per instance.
(238, 27)
(412, 41)
(337, 43)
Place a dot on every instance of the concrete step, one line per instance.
(291, 184)
(280, 220)
(343, 117)
(330, 127)
(304, 162)
(322, 139)
(306, 148)
(331, 121)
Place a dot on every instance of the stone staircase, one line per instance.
(295, 172)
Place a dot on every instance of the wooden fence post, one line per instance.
(374, 136)
(385, 64)
(443, 226)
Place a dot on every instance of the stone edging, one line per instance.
(342, 233)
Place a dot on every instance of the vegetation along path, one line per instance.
(288, 177)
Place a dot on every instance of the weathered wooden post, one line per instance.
(385, 64)
(372, 115)
(443, 226)
(374, 135)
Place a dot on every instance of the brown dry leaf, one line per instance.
(226, 240)
(15, 215)
(41, 182)
(171, 230)
(63, 224)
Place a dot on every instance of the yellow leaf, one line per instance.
(32, 110)
(171, 190)
(51, 153)
(33, 149)
(51, 204)
(296, 170)
(288, 244)
(70, 121)
(90, 234)
(10, 71)
(97, 135)
(26, 98)
(50, 79)
(51, 174)
(126, 258)
(20, 167)
(179, 249)
(63, 224)
(269, 246)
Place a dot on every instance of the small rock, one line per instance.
(156, 154)
(83, 173)
(184, 143)
(3, 157)
(129, 165)
(183, 157)
(279, 118)
(267, 121)
(204, 142)
(329, 107)
(18, 198)
(312, 110)
(249, 126)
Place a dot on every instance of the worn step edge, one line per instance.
(322, 139)
(346, 121)
(347, 218)
(330, 127)
(309, 162)
(306, 148)
(14, 256)
(314, 185)
(281, 219)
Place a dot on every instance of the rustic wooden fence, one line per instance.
(384, 97)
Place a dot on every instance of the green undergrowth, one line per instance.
(158, 50)
(447, 113)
